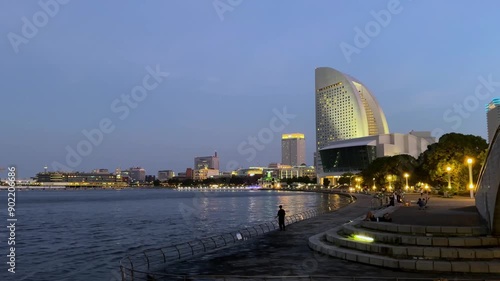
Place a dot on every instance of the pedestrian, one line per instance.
(281, 218)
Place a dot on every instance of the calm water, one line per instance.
(82, 235)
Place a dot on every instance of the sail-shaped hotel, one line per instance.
(351, 128)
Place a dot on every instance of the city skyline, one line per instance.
(163, 82)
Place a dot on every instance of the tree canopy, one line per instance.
(431, 167)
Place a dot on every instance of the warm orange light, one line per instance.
(469, 160)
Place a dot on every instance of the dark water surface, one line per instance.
(82, 235)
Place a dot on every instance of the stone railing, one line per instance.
(488, 195)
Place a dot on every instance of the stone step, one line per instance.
(318, 243)
(422, 230)
(410, 252)
(398, 239)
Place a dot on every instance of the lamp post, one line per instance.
(389, 177)
(406, 177)
(449, 176)
(471, 185)
(374, 187)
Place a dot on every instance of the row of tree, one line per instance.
(233, 180)
(443, 161)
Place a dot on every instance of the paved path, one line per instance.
(456, 211)
(287, 253)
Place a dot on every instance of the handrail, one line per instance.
(143, 264)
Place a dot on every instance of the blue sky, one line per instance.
(228, 70)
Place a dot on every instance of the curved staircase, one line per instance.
(413, 247)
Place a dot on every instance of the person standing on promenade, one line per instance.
(281, 218)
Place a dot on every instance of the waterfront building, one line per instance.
(493, 117)
(79, 179)
(100, 171)
(345, 109)
(351, 128)
(189, 173)
(293, 149)
(297, 172)
(150, 178)
(204, 174)
(207, 162)
(137, 174)
(165, 175)
(250, 171)
(354, 155)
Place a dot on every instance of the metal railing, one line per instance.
(144, 265)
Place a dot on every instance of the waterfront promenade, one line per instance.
(288, 254)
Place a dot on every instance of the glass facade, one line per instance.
(347, 159)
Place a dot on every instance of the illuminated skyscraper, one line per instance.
(493, 117)
(345, 109)
(293, 149)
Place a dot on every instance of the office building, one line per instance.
(137, 174)
(206, 162)
(493, 117)
(293, 149)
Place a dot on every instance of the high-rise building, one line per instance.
(206, 162)
(493, 117)
(293, 149)
(345, 109)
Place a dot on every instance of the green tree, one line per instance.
(326, 182)
(452, 151)
(345, 179)
(395, 167)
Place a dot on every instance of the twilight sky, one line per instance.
(236, 69)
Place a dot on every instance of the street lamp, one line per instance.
(406, 177)
(357, 183)
(471, 185)
(449, 176)
(389, 177)
(374, 187)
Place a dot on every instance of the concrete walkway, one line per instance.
(287, 253)
(456, 211)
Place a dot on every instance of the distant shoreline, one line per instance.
(61, 188)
